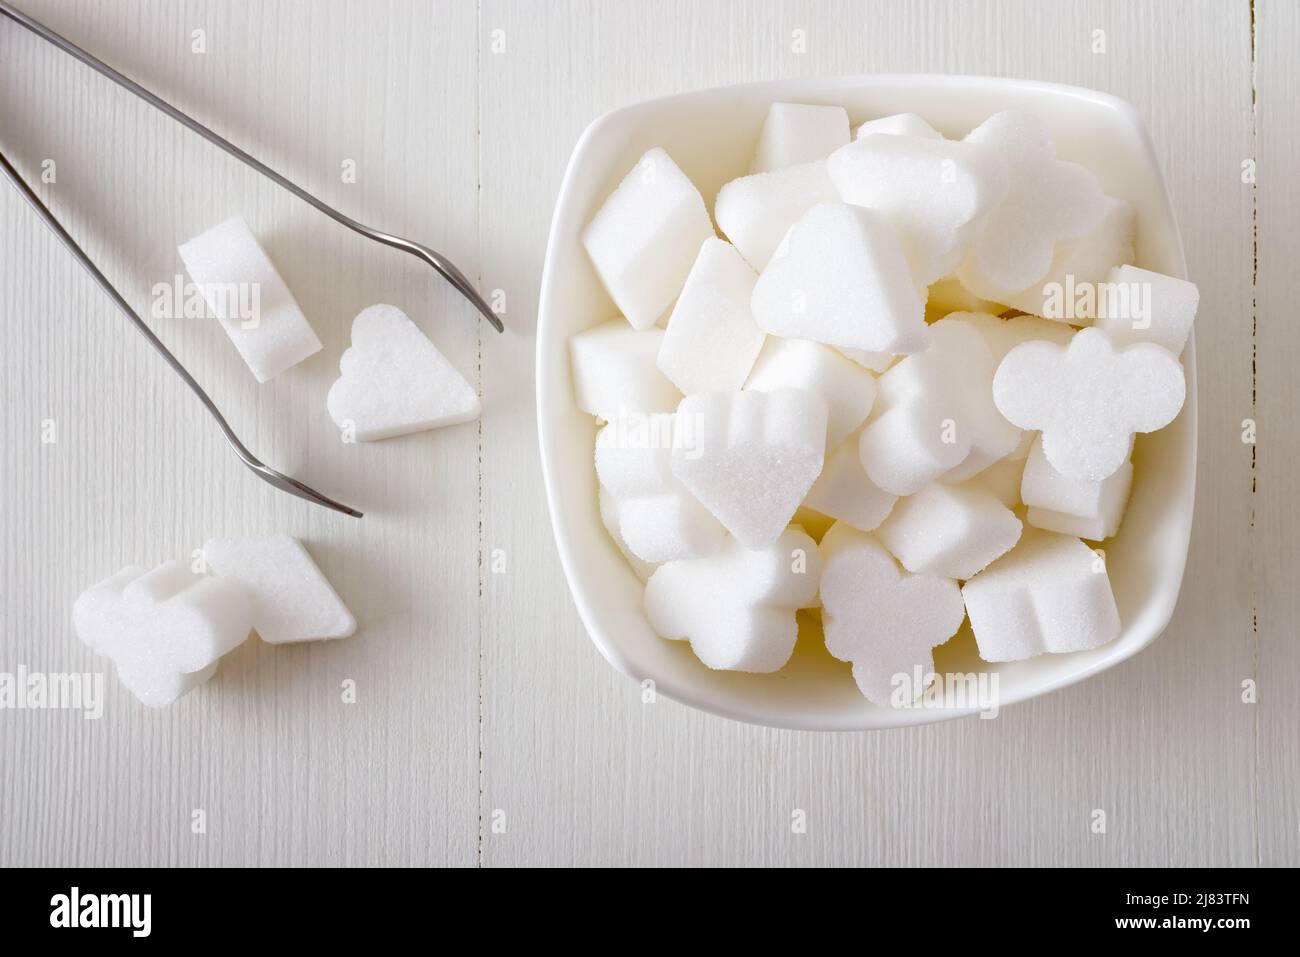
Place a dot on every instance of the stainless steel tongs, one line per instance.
(439, 262)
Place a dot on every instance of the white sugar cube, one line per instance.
(1085, 509)
(932, 191)
(843, 282)
(949, 530)
(883, 619)
(737, 608)
(164, 629)
(643, 240)
(292, 600)
(900, 124)
(711, 340)
(1048, 594)
(846, 387)
(844, 492)
(1089, 399)
(1047, 201)
(1148, 307)
(796, 133)
(395, 381)
(659, 520)
(245, 292)
(750, 457)
(615, 371)
(933, 411)
(755, 212)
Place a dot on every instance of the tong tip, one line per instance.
(287, 483)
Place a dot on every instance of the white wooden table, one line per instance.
(487, 729)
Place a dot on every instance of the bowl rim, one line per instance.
(1162, 608)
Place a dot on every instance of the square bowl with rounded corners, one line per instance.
(711, 134)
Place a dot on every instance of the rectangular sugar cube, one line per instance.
(1160, 309)
(244, 291)
(795, 133)
(643, 240)
(755, 212)
(1079, 507)
(711, 340)
(614, 371)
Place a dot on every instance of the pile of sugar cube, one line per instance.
(166, 628)
(902, 390)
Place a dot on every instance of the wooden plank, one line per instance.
(286, 772)
(1277, 394)
(478, 689)
(583, 772)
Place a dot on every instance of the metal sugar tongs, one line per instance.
(439, 262)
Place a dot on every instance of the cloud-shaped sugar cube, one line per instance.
(737, 607)
(1088, 398)
(932, 191)
(878, 616)
(1047, 200)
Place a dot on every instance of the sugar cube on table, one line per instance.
(291, 599)
(615, 371)
(1047, 201)
(1085, 509)
(900, 124)
(847, 388)
(711, 340)
(755, 212)
(933, 411)
(164, 629)
(244, 291)
(737, 607)
(844, 492)
(885, 620)
(932, 191)
(395, 381)
(643, 240)
(1050, 593)
(1145, 306)
(658, 519)
(750, 457)
(610, 518)
(949, 530)
(1079, 268)
(1089, 398)
(795, 133)
(843, 281)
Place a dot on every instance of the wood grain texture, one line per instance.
(1276, 528)
(286, 772)
(481, 700)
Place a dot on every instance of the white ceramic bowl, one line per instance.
(711, 135)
